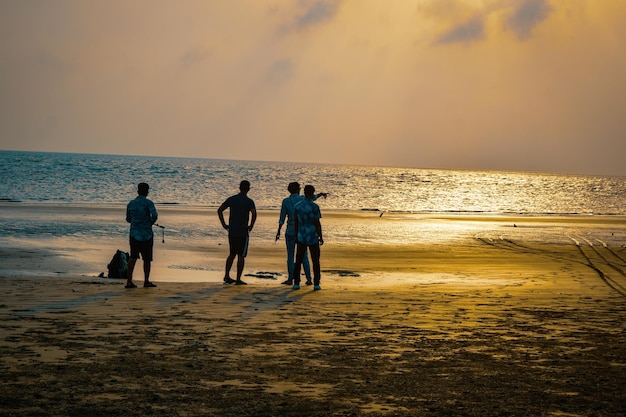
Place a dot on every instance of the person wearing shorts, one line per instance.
(141, 214)
(241, 219)
(141, 249)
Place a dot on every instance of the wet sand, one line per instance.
(476, 327)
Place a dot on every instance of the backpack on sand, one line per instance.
(118, 265)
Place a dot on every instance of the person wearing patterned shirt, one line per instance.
(308, 230)
(287, 213)
(141, 214)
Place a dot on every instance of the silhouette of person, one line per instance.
(141, 214)
(308, 231)
(242, 217)
(287, 212)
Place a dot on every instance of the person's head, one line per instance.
(244, 186)
(143, 188)
(309, 191)
(293, 188)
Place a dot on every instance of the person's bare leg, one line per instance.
(240, 264)
(146, 272)
(229, 265)
(129, 271)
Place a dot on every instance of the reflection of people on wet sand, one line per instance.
(287, 212)
(141, 214)
(308, 231)
(242, 211)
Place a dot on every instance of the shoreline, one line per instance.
(360, 243)
(366, 211)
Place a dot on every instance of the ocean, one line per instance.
(65, 178)
(74, 205)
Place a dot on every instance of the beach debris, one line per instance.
(341, 272)
(191, 267)
(265, 275)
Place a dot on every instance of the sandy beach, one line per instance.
(486, 319)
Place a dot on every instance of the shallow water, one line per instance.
(75, 204)
(80, 239)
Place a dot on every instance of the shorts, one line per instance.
(238, 245)
(144, 248)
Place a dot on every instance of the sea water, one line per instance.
(61, 200)
(68, 181)
(112, 179)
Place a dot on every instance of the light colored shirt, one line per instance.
(287, 210)
(141, 214)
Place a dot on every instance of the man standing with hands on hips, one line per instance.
(242, 211)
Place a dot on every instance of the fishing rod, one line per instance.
(162, 232)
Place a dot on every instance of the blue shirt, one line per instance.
(287, 209)
(141, 214)
(240, 207)
(307, 212)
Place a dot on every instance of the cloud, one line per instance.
(279, 72)
(471, 30)
(194, 57)
(526, 16)
(365, 81)
(522, 16)
(316, 12)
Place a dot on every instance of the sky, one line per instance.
(519, 85)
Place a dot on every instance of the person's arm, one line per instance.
(153, 213)
(252, 220)
(316, 196)
(318, 229)
(281, 219)
(220, 214)
(295, 226)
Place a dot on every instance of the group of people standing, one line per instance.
(303, 233)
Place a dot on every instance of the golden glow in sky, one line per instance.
(531, 85)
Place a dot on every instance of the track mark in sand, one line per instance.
(612, 252)
(508, 244)
(611, 282)
(612, 264)
(600, 261)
